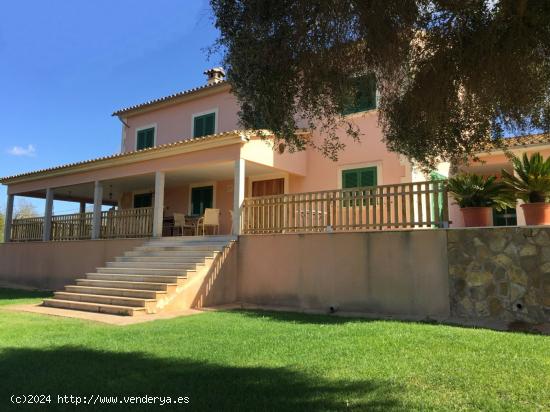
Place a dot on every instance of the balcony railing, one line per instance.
(124, 223)
(407, 205)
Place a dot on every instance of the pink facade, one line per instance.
(308, 171)
(190, 163)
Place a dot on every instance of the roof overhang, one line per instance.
(172, 99)
(183, 146)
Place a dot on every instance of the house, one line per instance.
(184, 154)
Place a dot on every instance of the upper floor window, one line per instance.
(145, 138)
(204, 124)
(364, 97)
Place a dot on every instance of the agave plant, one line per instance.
(531, 183)
(471, 190)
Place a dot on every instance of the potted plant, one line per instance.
(477, 196)
(531, 183)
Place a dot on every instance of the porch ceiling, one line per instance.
(114, 188)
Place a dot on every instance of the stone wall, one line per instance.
(500, 274)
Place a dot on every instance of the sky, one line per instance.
(66, 65)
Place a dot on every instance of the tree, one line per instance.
(24, 209)
(452, 75)
(2, 219)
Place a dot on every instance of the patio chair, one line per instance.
(179, 221)
(211, 218)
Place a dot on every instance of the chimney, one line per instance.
(214, 75)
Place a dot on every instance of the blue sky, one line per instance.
(65, 66)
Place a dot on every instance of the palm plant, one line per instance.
(471, 190)
(531, 183)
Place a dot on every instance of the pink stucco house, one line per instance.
(185, 152)
(184, 160)
(189, 147)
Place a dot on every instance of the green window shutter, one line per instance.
(366, 176)
(365, 95)
(145, 138)
(362, 177)
(209, 123)
(204, 125)
(198, 126)
(349, 179)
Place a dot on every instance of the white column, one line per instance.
(238, 195)
(96, 219)
(47, 232)
(158, 209)
(8, 218)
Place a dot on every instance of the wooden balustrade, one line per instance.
(406, 205)
(27, 229)
(127, 223)
(76, 226)
(124, 223)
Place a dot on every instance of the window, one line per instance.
(204, 125)
(362, 177)
(365, 95)
(505, 217)
(145, 138)
(366, 176)
(201, 198)
(143, 200)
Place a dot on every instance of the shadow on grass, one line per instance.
(320, 319)
(298, 317)
(14, 296)
(83, 372)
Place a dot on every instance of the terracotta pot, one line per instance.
(477, 216)
(536, 213)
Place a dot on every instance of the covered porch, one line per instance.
(137, 194)
(144, 205)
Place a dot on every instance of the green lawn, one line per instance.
(247, 360)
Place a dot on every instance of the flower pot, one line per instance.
(477, 216)
(536, 213)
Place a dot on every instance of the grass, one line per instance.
(248, 360)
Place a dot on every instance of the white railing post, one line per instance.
(8, 218)
(158, 211)
(47, 228)
(96, 219)
(238, 195)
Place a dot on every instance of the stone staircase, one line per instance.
(145, 280)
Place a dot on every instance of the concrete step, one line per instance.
(131, 293)
(136, 278)
(196, 239)
(179, 246)
(143, 271)
(171, 253)
(107, 299)
(163, 259)
(165, 287)
(94, 307)
(158, 264)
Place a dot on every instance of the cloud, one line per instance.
(30, 151)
